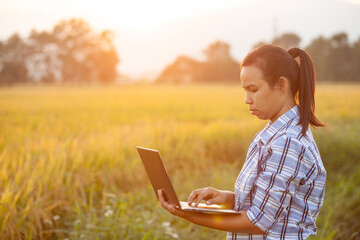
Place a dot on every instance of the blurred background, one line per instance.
(84, 82)
(122, 41)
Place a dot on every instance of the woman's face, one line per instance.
(264, 101)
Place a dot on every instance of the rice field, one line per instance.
(69, 168)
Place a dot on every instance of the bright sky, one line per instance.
(151, 34)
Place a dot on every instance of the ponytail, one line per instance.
(306, 87)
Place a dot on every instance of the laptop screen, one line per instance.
(157, 174)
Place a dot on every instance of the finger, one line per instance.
(204, 195)
(162, 200)
(194, 194)
(208, 194)
(160, 195)
(191, 198)
(198, 199)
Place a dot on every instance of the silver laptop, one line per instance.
(159, 179)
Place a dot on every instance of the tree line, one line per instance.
(71, 52)
(335, 59)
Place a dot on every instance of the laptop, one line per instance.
(159, 179)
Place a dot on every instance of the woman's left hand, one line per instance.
(171, 208)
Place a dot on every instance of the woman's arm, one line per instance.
(224, 222)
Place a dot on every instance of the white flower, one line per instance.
(171, 233)
(166, 224)
(168, 230)
(175, 235)
(108, 213)
(56, 217)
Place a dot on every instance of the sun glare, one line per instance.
(143, 15)
(352, 1)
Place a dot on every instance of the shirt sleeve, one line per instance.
(278, 177)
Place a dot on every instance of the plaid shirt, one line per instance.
(282, 183)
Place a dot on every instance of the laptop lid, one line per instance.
(157, 174)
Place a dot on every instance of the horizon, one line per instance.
(189, 26)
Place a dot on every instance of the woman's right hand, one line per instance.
(212, 196)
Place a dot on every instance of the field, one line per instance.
(69, 167)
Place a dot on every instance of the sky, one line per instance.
(149, 35)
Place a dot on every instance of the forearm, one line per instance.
(231, 223)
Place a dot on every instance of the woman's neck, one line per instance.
(286, 107)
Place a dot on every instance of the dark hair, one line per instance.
(275, 62)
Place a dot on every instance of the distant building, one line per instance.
(182, 71)
(220, 67)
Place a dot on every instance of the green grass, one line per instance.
(69, 166)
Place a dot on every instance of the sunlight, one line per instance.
(352, 1)
(144, 15)
(141, 15)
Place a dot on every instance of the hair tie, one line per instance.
(294, 52)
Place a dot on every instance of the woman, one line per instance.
(281, 186)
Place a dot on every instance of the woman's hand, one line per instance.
(212, 196)
(171, 208)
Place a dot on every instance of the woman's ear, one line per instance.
(283, 84)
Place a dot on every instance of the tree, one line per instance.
(104, 58)
(218, 52)
(287, 40)
(72, 52)
(340, 40)
(13, 72)
(220, 65)
(356, 52)
(44, 62)
(319, 50)
(340, 62)
(13, 55)
(85, 56)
